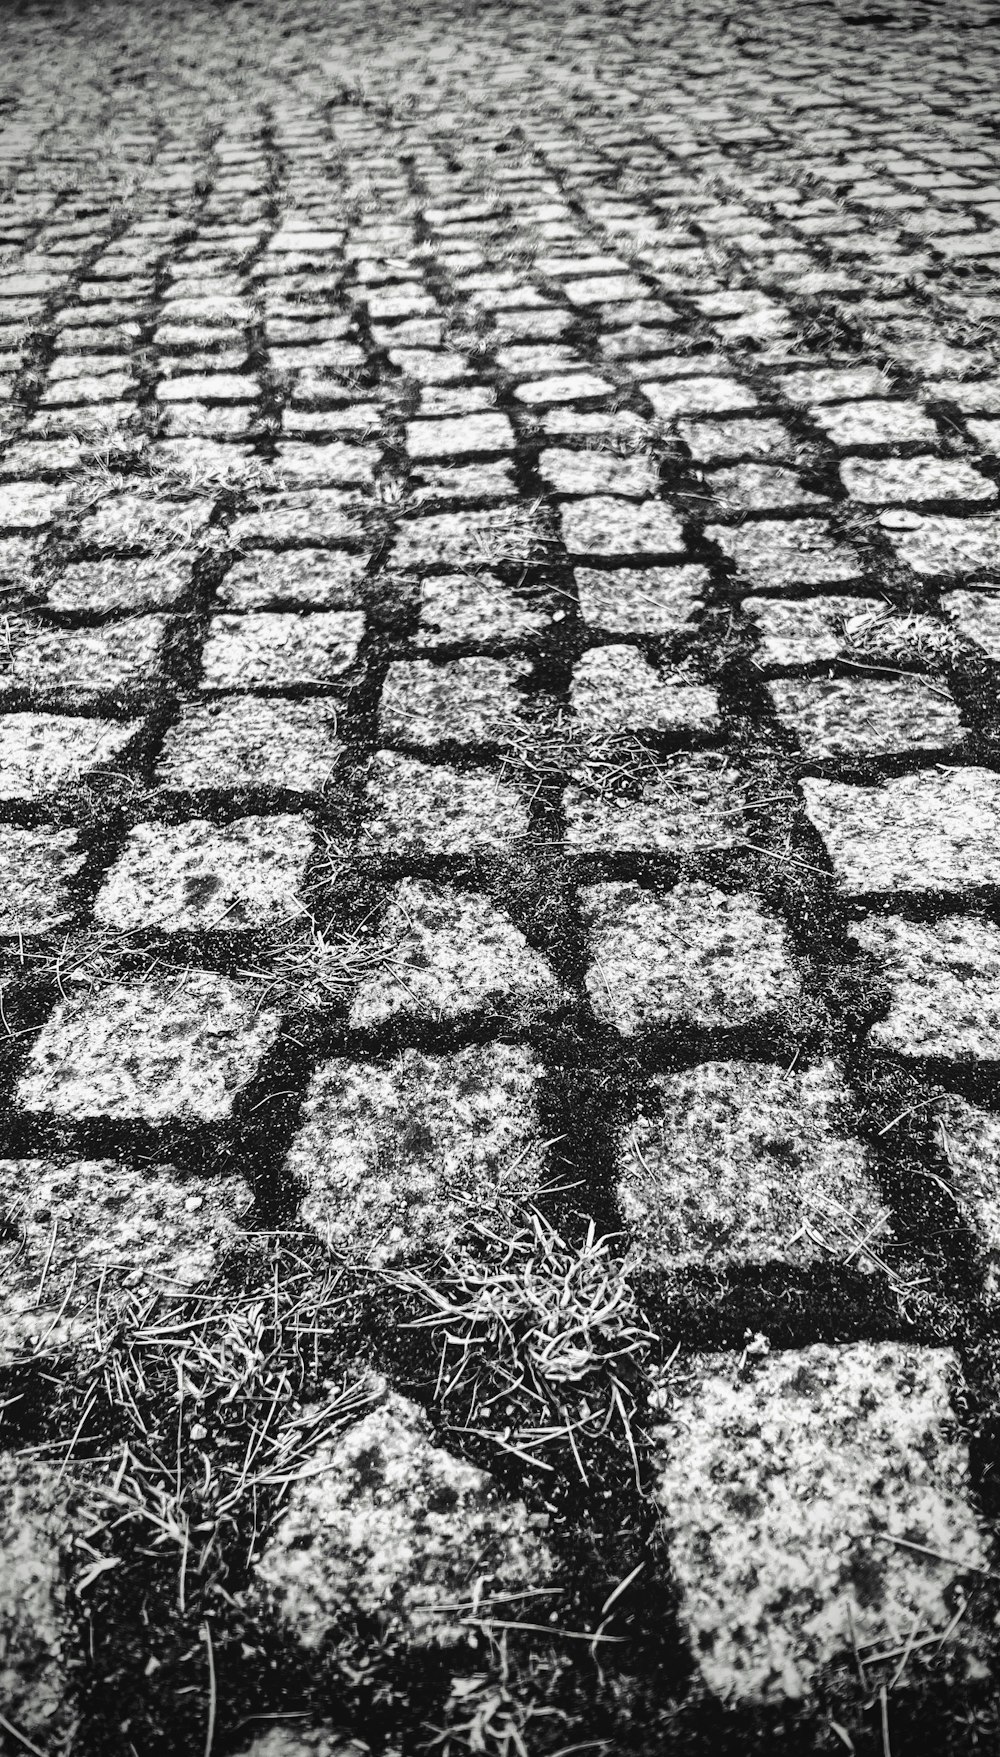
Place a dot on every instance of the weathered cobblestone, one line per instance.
(839, 716)
(944, 985)
(422, 808)
(933, 830)
(193, 876)
(617, 689)
(41, 753)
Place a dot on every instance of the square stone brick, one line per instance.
(855, 425)
(732, 1164)
(940, 545)
(103, 587)
(41, 1507)
(936, 830)
(871, 716)
(469, 539)
(704, 395)
(35, 867)
(42, 753)
(143, 521)
(294, 579)
(604, 525)
(170, 1050)
(646, 601)
(208, 387)
(332, 464)
(781, 554)
(449, 953)
(479, 607)
(478, 701)
(780, 1492)
(264, 650)
(694, 955)
(718, 441)
(321, 515)
(911, 481)
(597, 472)
(84, 664)
(247, 742)
(617, 689)
(761, 488)
(195, 877)
(400, 1159)
(833, 384)
(462, 485)
(466, 435)
(88, 1225)
(569, 387)
(28, 506)
(976, 615)
(944, 985)
(677, 805)
(416, 808)
(804, 631)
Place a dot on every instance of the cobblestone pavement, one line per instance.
(500, 851)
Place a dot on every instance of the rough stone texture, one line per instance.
(244, 742)
(976, 615)
(607, 526)
(476, 701)
(79, 664)
(42, 753)
(399, 1159)
(938, 545)
(136, 521)
(271, 651)
(422, 808)
(35, 866)
(715, 441)
(593, 472)
(319, 515)
(293, 579)
(37, 1511)
(616, 689)
(448, 952)
(171, 1049)
(194, 876)
(388, 1529)
(871, 716)
(685, 805)
(936, 830)
(943, 985)
(876, 422)
(472, 434)
(478, 607)
(903, 481)
(761, 488)
(99, 587)
(739, 1163)
(72, 1227)
(698, 396)
(471, 539)
(778, 1492)
(693, 955)
(833, 626)
(648, 600)
(774, 555)
(969, 1139)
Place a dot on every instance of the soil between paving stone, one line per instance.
(499, 937)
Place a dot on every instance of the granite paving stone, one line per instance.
(933, 830)
(36, 867)
(194, 876)
(871, 716)
(616, 688)
(943, 984)
(83, 664)
(607, 526)
(293, 579)
(417, 808)
(976, 616)
(269, 650)
(234, 742)
(475, 701)
(640, 601)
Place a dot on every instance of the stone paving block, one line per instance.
(167, 1050)
(29, 506)
(935, 830)
(604, 525)
(208, 387)
(478, 607)
(854, 425)
(781, 554)
(41, 753)
(596, 472)
(569, 387)
(911, 481)
(780, 1493)
(458, 539)
(976, 615)
(720, 441)
(732, 1164)
(447, 953)
(695, 955)
(969, 1138)
(475, 700)
(334, 463)
(467, 483)
(871, 716)
(195, 876)
(938, 545)
(617, 689)
(648, 600)
(84, 663)
(698, 396)
(247, 742)
(80, 1225)
(138, 521)
(944, 986)
(761, 488)
(299, 579)
(319, 515)
(39, 1516)
(102, 587)
(829, 626)
(415, 808)
(833, 384)
(467, 434)
(264, 650)
(688, 804)
(385, 1530)
(400, 1159)
(35, 867)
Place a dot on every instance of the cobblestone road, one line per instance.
(500, 856)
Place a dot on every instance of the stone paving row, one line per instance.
(500, 561)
